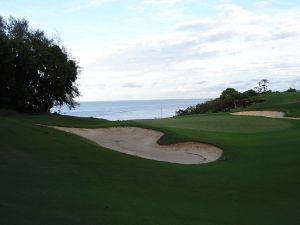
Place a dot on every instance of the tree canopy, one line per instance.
(229, 99)
(262, 86)
(36, 72)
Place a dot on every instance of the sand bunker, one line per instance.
(143, 143)
(270, 114)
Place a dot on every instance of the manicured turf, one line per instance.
(49, 177)
(284, 102)
(53, 178)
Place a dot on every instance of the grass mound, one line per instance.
(284, 102)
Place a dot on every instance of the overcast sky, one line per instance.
(171, 49)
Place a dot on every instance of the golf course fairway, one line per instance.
(52, 177)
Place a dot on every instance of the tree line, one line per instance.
(228, 100)
(36, 72)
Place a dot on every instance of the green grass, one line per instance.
(50, 177)
(284, 102)
(224, 124)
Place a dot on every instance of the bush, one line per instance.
(291, 90)
(230, 99)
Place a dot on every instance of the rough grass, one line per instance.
(53, 178)
(284, 102)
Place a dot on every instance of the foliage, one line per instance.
(262, 86)
(229, 99)
(36, 73)
(291, 90)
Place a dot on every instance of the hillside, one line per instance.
(234, 101)
(286, 102)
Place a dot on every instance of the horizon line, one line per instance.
(145, 100)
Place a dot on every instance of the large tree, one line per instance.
(36, 73)
(229, 99)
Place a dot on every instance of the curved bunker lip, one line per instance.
(143, 143)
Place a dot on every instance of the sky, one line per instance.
(171, 49)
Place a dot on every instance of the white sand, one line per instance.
(270, 114)
(143, 143)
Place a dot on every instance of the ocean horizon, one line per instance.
(128, 109)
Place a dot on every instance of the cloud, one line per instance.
(196, 25)
(98, 2)
(200, 57)
(131, 85)
(87, 4)
(265, 3)
(164, 2)
(172, 10)
(100, 85)
(287, 29)
(232, 32)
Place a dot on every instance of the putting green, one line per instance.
(222, 123)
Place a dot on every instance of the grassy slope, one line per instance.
(284, 102)
(50, 177)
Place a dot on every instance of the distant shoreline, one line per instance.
(141, 100)
(129, 109)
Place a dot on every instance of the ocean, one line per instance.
(129, 110)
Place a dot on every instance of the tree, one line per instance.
(5, 66)
(229, 99)
(36, 73)
(230, 93)
(291, 90)
(249, 94)
(262, 86)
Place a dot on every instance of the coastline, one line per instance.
(129, 110)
